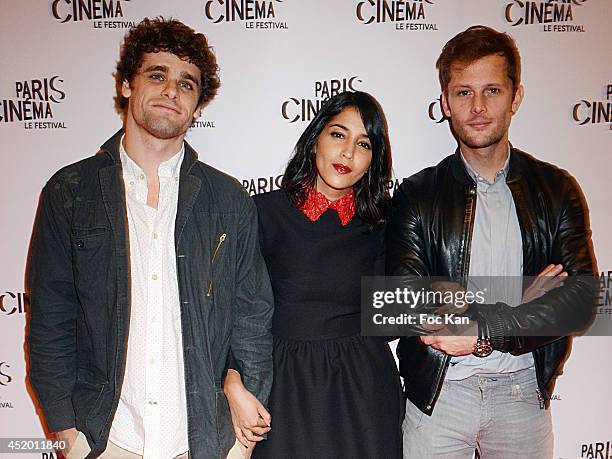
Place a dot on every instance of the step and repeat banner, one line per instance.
(279, 60)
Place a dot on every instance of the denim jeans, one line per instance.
(501, 415)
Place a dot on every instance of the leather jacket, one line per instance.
(430, 235)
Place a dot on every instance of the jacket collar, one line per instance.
(113, 193)
(111, 148)
(515, 167)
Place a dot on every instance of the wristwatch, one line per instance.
(483, 347)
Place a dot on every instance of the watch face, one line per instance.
(482, 348)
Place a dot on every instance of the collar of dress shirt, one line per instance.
(170, 168)
(503, 172)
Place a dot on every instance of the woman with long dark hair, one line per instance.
(335, 394)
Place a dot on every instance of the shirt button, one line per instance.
(132, 183)
(141, 176)
(428, 407)
(152, 402)
(154, 235)
(154, 277)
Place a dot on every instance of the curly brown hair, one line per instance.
(172, 36)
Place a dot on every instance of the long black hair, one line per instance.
(371, 193)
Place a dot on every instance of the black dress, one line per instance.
(335, 393)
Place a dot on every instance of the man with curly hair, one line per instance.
(145, 273)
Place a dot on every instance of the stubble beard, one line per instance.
(163, 128)
(476, 140)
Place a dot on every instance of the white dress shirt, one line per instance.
(151, 418)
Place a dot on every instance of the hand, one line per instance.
(551, 277)
(448, 307)
(68, 436)
(249, 417)
(450, 345)
(246, 451)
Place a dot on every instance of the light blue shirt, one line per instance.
(497, 256)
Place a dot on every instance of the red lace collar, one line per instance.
(316, 204)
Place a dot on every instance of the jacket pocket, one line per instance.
(215, 255)
(87, 395)
(87, 244)
(91, 242)
(89, 219)
(92, 271)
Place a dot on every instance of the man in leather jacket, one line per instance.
(489, 210)
(145, 272)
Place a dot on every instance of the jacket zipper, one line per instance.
(465, 269)
(221, 240)
(469, 219)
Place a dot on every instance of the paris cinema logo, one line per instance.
(304, 109)
(5, 377)
(410, 15)
(603, 301)
(552, 15)
(34, 103)
(262, 184)
(103, 14)
(254, 14)
(14, 303)
(589, 112)
(203, 124)
(597, 450)
(435, 111)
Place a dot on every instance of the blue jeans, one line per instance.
(498, 414)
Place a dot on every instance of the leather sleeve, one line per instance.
(406, 246)
(407, 249)
(562, 311)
